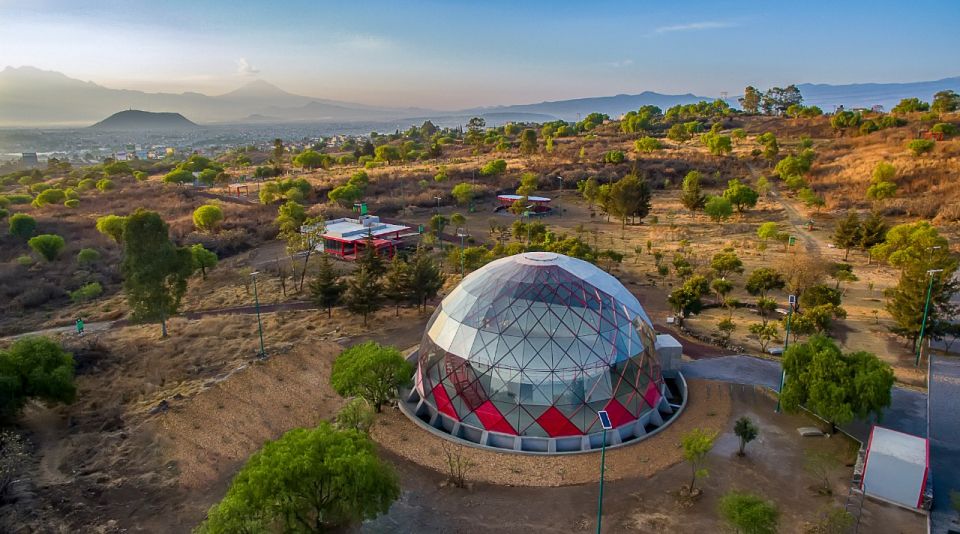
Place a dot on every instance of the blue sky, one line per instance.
(446, 54)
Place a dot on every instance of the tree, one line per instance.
(528, 142)
(310, 159)
(87, 256)
(176, 176)
(207, 217)
(882, 186)
(763, 280)
(906, 302)
(528, 184)
(778, 99)
(463, 193)
(278, 152)
(718, 145)
(494, 168)
(345, 195)
(768, 230)
(364, 293)
(910, 105)
(740, 195)
(112, 226)
(945, 101)
(397, 282)
(696, 445)
(692, 197)
(629, 198)
(371, 371)
(726, 262)
(765, 333)
(721, 287)
(725, 328)
(614, 157)
(22, 225)
(686, 298)
(821, 465)
(749, 513)
(356, 415)
(203, 259)
(326, 289)
(678, 133)
(34, 368)
(387, 153)
(718, 208)
(846, 233)
(155, 271)
(647, 144)
(873, 230)
(836, 386)
(49, 196)
(750, 101)
(309, 480)
(48, 246)
(426, 278)
(747, 431)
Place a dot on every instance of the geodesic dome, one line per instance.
(535, 345)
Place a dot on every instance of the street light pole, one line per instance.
(462, 234)
(792, 299)
(926, 311)
(607, 424)
(256, 300)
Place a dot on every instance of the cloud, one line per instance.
(244, 68)
(695, 26)
(619, 64)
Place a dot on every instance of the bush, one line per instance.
(140, 176)
(22, 225)
(86, 184)
(87, 292)
(178, 176)
(4, 213)
(19, 199)
(47, 245)
(4, 202)
(648, 144)
(944, 128)
(88, 256)
(35, 367)
(920, 146)
(749, 513)
(105, 185)
(49, 196)
(72, 203)
(614, 157)
(207, 217)
(494, 168)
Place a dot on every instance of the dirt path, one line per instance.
(51, 436)
(798, 221)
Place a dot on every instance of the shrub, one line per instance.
(72, 203)
(22, 225)
(920, 146)
(71, 194)
(945, 128)
(207, 217)
(47, 245)
(4, 202)
(88, 256)
(105, 184)
(35, 367)
(493, 168)
(19, 199)
(178, 176)
(4, 213)
(614, 156)
(347, 159)
(648, 144)
(25, 260)
(749, 513)
(373, 164)
(112, 226)
(140, 176)
(87, 292)
(86, 184)
(49, 196)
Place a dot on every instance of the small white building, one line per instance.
(896, 468)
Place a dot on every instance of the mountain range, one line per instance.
(30, 97)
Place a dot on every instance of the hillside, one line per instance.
(136, 120)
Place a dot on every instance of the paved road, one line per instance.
(944, 437)
(907, 411)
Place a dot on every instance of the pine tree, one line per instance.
(846, 234)
(873, 230)
(326, 289)
(155, 271)
(692, 197)
(371, 260)
(398, 282)
(907, 300)
(364, 294)
(426, 278)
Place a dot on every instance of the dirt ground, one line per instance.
(772, 468)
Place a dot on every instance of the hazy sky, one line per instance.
(446, 54)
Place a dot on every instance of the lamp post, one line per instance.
(256, 301)
(607, 425)
(792, 301)
(439, 225)
(560, 179)
(462, 234)
(926, 311)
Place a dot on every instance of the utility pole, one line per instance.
(926, 311)
(256, 299)
(792, 301)
(607, 425)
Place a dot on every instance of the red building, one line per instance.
(347, 238)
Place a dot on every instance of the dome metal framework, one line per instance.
(526, 350)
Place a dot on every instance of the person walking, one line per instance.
(79, 326)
